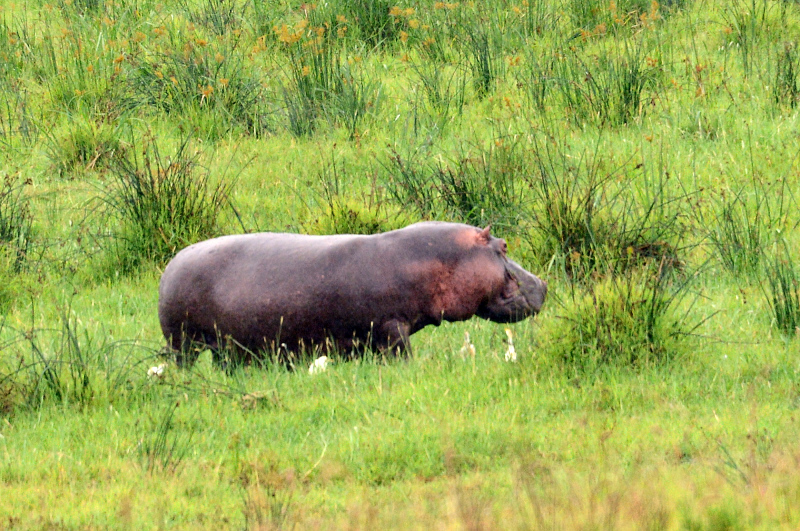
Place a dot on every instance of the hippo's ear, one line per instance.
(484, 236)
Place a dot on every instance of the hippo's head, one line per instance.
(516, 293)
(521, 296)
(468, 273)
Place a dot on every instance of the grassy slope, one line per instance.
(707, 441)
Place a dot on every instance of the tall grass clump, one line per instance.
(586, 14)
(161, 203)
(16, 235)
(17, 123)
(81, 8)
(609, 87)
(356, 98)
(747, 23)
(593, 15)
(69, 365)
(219, 16)
(376, 20)
(475, 184)
(345, 211)
(370, 24)
(16, 221)
(313, 64)
(533, 19)
(323, 81)
(211, 84)
(15, 49)
(264, 17)
(785, 90)
(591, 218)
(82, 143)
(79, 76)
(633, 320)
(483, 46)
(782, 290)
(746, 221)
(740, 232)
(164, 447)
(536, 78)
(439, 95)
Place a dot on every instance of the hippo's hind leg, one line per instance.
(230, 354)
(392, 337)
(187, 344)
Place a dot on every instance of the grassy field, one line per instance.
(641, 158)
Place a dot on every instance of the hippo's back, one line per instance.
(222, 283)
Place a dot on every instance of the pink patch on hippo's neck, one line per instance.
(456, 293)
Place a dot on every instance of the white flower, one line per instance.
(157, 372)
(319, 365)
(511, 353)
(468, 349)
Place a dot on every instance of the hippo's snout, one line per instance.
(534, 289)
(522, 296)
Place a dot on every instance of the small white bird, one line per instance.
(468, 350)
(157, 372)
(319, 365)
(511, 353)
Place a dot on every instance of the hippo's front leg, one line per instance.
(392, 336)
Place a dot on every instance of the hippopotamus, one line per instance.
(262, 291)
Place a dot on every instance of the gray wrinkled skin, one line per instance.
(253, 292)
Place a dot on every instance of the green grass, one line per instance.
(641, 158)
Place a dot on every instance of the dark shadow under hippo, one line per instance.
(253, 292)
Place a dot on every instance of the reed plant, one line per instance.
(483, 47)
(376, 21)
(593, 14)
(537, 79)
(440, 92)
(740, 233)
(220, 17)
(81, 78)
(16, 238)
(748, 221)
(15, 49)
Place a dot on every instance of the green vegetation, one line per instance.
(642, 158)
